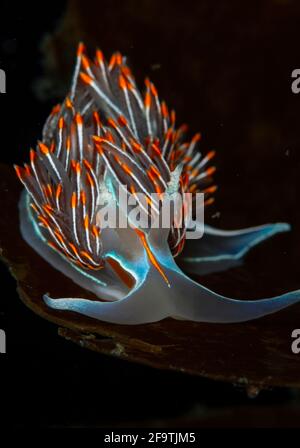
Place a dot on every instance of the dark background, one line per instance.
(226, 69)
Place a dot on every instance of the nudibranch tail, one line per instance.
(106, 138)
(190, 303)
(219, 250)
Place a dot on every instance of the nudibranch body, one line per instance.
(106, 136)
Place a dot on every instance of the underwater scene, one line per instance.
(150, 225)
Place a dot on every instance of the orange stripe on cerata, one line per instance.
(99, 56)
(173, 117)
(78, 168)
(86, 222)
(54, 246)
(81, 49)
(68, 143)
(95, 231)
(193, 188)
(126, 71)
(86, 255)
(211, 189)
(44, 149)
(210, 170)
(118, 58)
(78, 119)
(69, 103)
(34, 207)
(164, 110)
(126, 169)
(151, 256)
(73, 200)
(124, 275)
(156, 149)
(27, 169)
(122, 82)
(44, 221)
(112, 122)
(99, 149)
(61, 123)
(209, 201)
(83, 197)
(112, 62)
(147, 82)
(122, 120)
(96, 118)
(136, 146)
(85, 62)
(56, 109)
(147, 100)
(90, 180)
(86, 78)
(52, 147)
(153, 89)
(108, 136)
(49, 188)
(32, 155)
(196, 138)
(210, 155)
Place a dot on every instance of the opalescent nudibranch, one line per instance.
(106, 134)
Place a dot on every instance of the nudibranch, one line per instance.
(105, 135)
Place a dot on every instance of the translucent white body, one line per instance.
(151, 299)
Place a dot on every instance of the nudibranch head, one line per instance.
(104, 136)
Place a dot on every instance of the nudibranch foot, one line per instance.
(153, 301)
